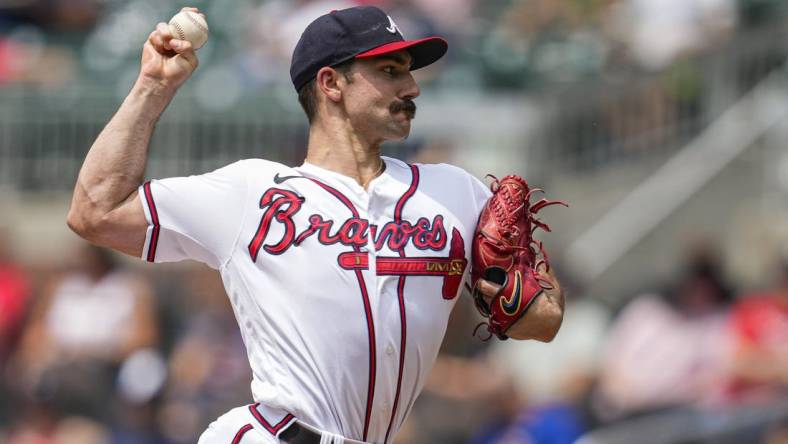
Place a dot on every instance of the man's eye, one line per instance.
(388, 70)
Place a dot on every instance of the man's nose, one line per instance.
(411, 90)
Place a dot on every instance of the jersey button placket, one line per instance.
(366, 212)
(387, 361)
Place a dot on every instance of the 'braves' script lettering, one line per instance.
(281, 205)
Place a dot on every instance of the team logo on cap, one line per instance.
(393, 28)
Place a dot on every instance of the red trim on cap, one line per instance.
(396, 46)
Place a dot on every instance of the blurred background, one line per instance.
(662, 122)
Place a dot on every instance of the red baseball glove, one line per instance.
(505, 253)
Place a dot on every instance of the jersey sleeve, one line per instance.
(480, 193)
(474, 193)
(195, 217)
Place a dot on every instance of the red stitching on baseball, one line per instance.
(196, 23)
(181, 34)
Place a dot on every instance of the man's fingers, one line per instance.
(192, 9)
(488, 289)
(163, 32)
(160, 41)
(181, 46)
(187, 53)
(158, 45)
(546, 278)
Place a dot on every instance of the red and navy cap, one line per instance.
(362, 31)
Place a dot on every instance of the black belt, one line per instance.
(298, 433)
(295, 434)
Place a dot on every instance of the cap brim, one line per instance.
(424, 51)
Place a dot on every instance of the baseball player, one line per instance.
(342, 272)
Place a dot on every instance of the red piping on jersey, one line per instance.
(241, 433)
(367, 311)
(273, 429)
(414, 184)
(154, 217)
(405, 197)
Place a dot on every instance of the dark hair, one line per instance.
(307, 95)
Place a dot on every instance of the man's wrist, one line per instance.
(150, 98)
(148, 88)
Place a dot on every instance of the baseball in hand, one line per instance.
(191, 26)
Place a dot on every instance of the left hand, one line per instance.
(543, 318)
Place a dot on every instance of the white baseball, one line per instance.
(191, 26)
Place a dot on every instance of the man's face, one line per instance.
(379, 98)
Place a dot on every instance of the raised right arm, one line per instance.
(105, 208)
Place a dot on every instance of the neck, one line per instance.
(340, 149)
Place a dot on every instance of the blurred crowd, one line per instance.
(681, 362)
(502, 44)
(95, 352)
(608, 80)
(103, 350)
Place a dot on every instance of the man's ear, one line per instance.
(327, 81)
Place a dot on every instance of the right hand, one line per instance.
(166, 60)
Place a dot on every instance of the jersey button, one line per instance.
(389, 350)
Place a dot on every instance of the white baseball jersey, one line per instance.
(342, 294)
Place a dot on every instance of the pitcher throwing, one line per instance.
(343, 271)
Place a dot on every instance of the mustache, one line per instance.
(407, 106)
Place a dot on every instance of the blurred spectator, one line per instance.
(670, 351)
(558, 371)
(657, 32)
(70, 430)
(85, 325)
(448, 15)
(756, 12)
(208, 367)
(64, 15)
(273, 32)
(514, 391)
(777, 434)
(551, 381)
(463, 390)
(549, 424)
(760, 335)
(26, 59)
(14, 294)
(543, 40)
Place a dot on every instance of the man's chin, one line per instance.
(399, 131)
